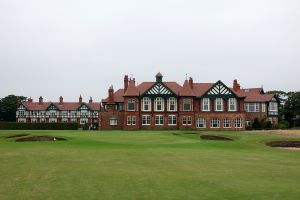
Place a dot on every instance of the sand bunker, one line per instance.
(39, 138)
(215, 137)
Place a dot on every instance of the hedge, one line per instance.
(38, 126)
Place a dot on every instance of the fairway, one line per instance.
(147, 165)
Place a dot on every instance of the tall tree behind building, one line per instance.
(8, 107)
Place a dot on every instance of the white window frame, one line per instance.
(226, 123)
(187, 120)
(199, 121)
(113, 121)
(232, 102)
(173, 101)
(205, 102)
(219, 102)
(254, 105)
(147, 119)
(273, 106)
(212, 122)
(157, 101)
(263, 107)
(172, 117)
(146, 101)
(160, 119)
(238, 123)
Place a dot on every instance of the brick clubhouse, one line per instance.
(161, 105)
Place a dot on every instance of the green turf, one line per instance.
(147, 165)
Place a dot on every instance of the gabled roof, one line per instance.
(200, 88)
(118, 96)
(186, 90)
(64, 106)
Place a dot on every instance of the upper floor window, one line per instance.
(131, 104)
(187, 104)
(252, 107)
(172, 104)
(263, 107)
(205, 104)
(219, 104)
(159, 104)
(273, 106)
(232, 104)
(146, 104)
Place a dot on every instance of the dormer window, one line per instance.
(219, 104)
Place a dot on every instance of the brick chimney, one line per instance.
(236, 86)
(80, 99)
(111, 94)
(91, 100)
(125, 83)
(30, 100)
(61, 100)
(40, 100)
(191, 82)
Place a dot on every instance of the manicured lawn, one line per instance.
(147, 165)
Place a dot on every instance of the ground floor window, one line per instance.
(248, 123)
(238, 123)
(52, 120)
(215, 123)
(73, 120)
(159, 120)
(200, 123)
(226, 123)
(83, 121)
(21, 120)
(64, 120)
(146, 120)
(113, 121)
(186, 120)
(131, 120)
(172, 120)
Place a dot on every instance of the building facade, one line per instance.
(58, 112)
(168, 105)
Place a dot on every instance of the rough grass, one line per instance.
(147, 165)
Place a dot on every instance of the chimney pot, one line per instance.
(40, 100)
(61, 100)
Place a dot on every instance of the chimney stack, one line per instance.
(80, 99)
(191, 82)
(61, 100)
(30, 100)
(40, 100)
(125, 83)
(91, 100)
(236, 85)
(111, 94)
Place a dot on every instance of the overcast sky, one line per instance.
(69, 47)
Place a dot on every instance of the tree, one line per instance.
(8, 107)
(292, 107)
